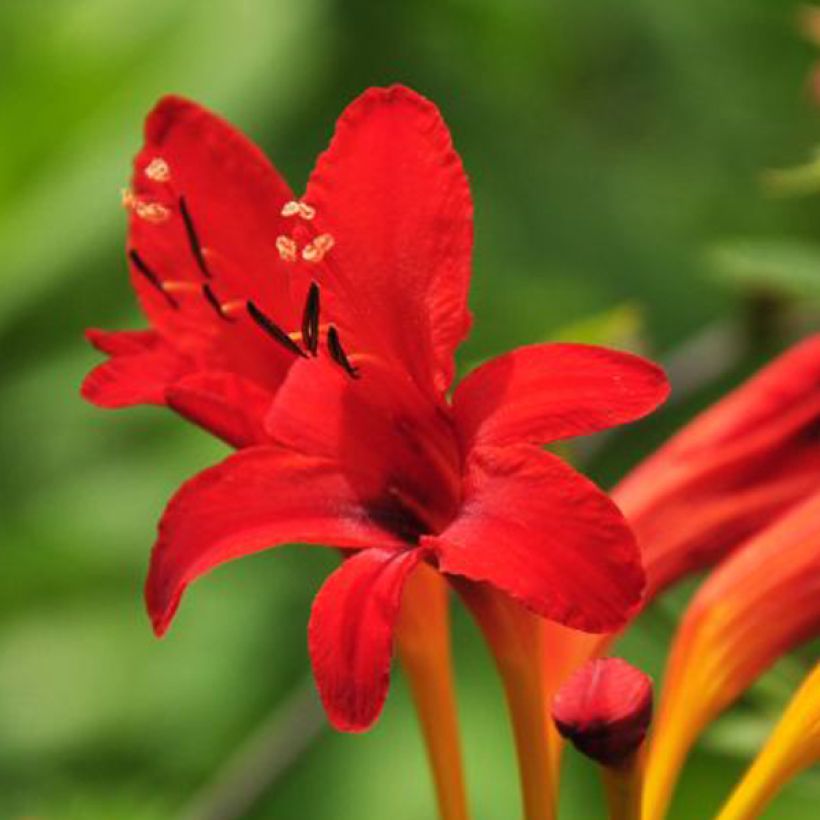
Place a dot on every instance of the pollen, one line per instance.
(287, 248)
(315, 251)
(178, 286)
(298, 208)
(149, 211)
(158, 170)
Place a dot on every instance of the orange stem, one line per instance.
(423, 640)
(515, 638)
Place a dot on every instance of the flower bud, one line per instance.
(605, 709)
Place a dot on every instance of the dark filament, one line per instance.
(210, 298)
(338, 354)
(310, 320)
(273, 330)
(142, 268)
(193, 238)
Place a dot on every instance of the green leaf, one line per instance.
(784, 267)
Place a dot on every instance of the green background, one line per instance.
(615, 152)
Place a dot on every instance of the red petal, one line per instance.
(546, 392)
(730, 472)
(255, 499)
(227, 405)
(533, 527)
(392, 192)
(351, 634)
(234, 198)
(140, 369)
(396, 439)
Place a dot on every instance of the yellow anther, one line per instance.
(287, 248)
(151, 211)
(234, 307)
(298, 208)
(176, 286)
(316, 250)
(158, 170)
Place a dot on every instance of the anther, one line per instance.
(310, 320)
(315, 251)
(177, 286)
(287, 248)
(273, 330)
(338, 354)
(193, 239)
(153, 279)
(219, 308)
(302, 209)
(149, 211)
(158, 170)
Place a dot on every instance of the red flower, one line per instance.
(323, 330)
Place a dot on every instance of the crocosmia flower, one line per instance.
(321, 329)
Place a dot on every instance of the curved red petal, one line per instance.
(398, 441)
(351, 634)
(536, 529)
(255, 499)
(226, 404)
(140, 369)
(218, 203)
(730, 472)
(392, 193)
(545, 392)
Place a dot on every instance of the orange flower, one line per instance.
(758, 605)
(726, 475)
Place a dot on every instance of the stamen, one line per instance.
(302, 209)
(176, 286)
(316, 250)
(193, 239)
(143, 269)
(151, 212)
(273, 330)
(219, 308)
(287, 248)
(310, 320)
(158, 170)
(338, 354)
(233, 307)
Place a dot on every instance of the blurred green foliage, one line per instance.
(609, 145)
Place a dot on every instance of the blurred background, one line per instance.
(627, 162)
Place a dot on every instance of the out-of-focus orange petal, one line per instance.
(730, 472)
(763, 601)
(793, 746)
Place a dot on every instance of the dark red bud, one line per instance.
(605, 709)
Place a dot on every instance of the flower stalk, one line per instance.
(623, 788)
(423, 642)
(515, 639)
